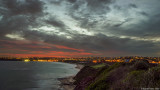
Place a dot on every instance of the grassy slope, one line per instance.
(98, 66)
(123, 76)
(100, 82)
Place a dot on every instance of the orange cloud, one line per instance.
(27, 50)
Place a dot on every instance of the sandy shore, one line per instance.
(67, 82)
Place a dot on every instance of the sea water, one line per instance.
(18, 75)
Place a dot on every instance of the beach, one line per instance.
(67, 82)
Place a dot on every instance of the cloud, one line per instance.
(16, 7)
(144, 13)
(72, 1)
(133, 5)
(18, 15)
(55, 22)
(89, 8)
(95, 27)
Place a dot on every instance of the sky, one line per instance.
(79, 28)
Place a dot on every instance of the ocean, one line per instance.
(18, 75)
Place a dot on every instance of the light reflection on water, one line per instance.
(33, 75)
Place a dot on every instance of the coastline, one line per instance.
(66, 83)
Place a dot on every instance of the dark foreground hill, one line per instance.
(119, 76)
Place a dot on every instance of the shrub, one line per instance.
(134, 77)
(152, 78)
(141, 65)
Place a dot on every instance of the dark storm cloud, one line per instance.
(121, 23)
(133, 5)
(89, 7)
(25, 17)
(144, 13)
(86, 11)
(41, 36)
(104, 43)
(57, 2)
(18, 15)
(72, 1)
(101, 44)
(152, 25)
(146, 28)
(16, 7)
(139, 22)
(55, 22)
(98, 4)
(117, 7)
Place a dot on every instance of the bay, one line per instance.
(18, 75)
